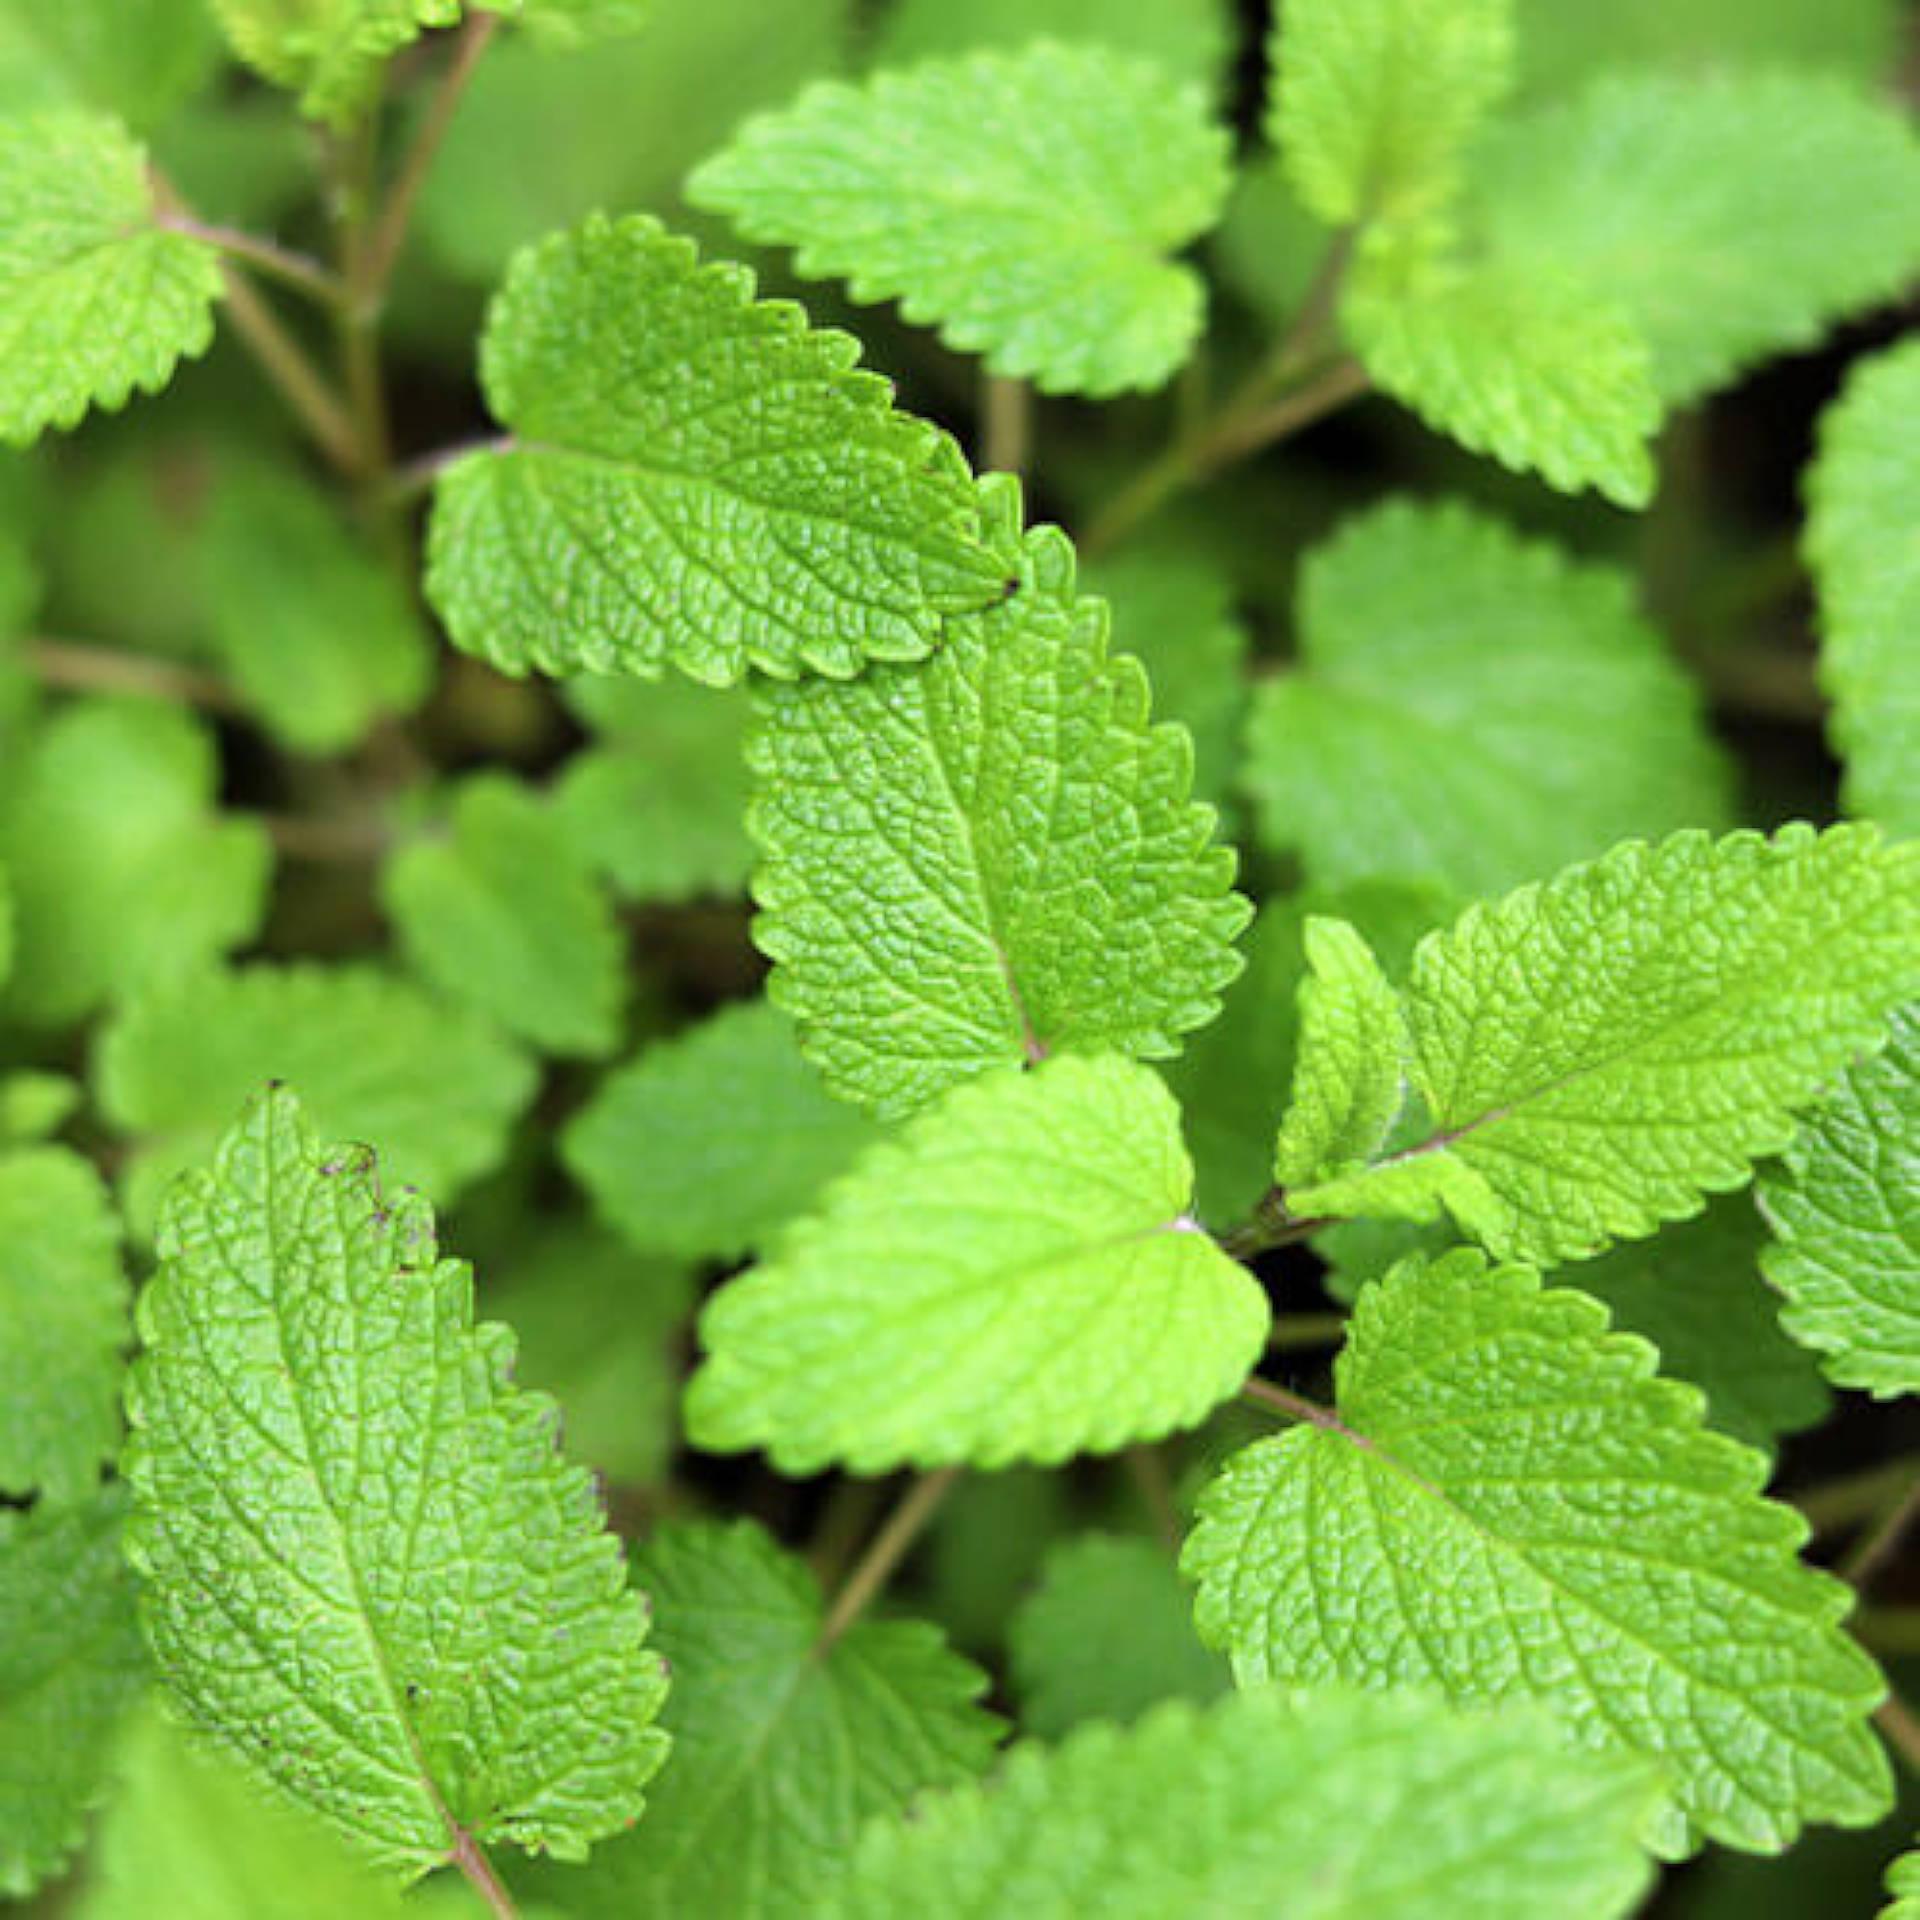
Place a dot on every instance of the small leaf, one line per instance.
(658, 504)
(1027, 202)
(783, 1743)
(503, 914)
(1845, 1210)
(989, 858)
(1599, 1053)
(71, 1665)
(1374, 102)
(97, 300)
(63, 1323)
(708, 1143)
(1351, 1805)
(365, 1568)
(1014, 1276)
(1510, 1505)
(1106, 1635)
(1439, 722)
(1863, 493)
(329, 52)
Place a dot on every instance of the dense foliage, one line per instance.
(1120, 803)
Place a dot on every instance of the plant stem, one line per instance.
(1263, 1393)
(1298, 1330)
(327, 841)
(389, 233)
(470, 1857)
(79, 668)
(1846, 1502)
(414, 477)
(297, 270)
(1271, 1226)
(1870, 1552)
(885, 1552)
(355, 168)
(284, 361)
(1896, 1720)
(1888, 1630)
(1148, 1472)
(1006, 436)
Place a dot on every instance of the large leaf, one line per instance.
(784, 1743)
(695, 478)
(1594, 1061)
(1026, 202)
(1340, 1806)
(990, 858)
(1439, 723)
(1845, 1208)
(1015, 1276)
(365, 1567)
(1511, 1505)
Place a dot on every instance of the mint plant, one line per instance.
(958, 958)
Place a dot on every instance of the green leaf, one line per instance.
(1014, 1276)
(990, 857)
(502, 913)
(1696, 1293)
(137, 59)
(1642, 191)
(1903, 1883)
(1173, 610)
(63, 1323)
(1593, 1064)
(96, 299)
(1374, 102)
(375, 1058)
(783, 1743)
(1845, 1209)
(1108, 1633)
(71, 1664)
(597, 1326)
(1511, 1505)
(1191, 39)
(329, 52)
(1355, 1806)
(655, 507)
(123, 874)
(1863, 494)
(1027, 203)
(659, 804)
(187, 1833)
(708, 1143)
(35, 1105)
(1540, 372)
(1349, 1079)
(320, 638)
(1439, 722)
(365, 1568)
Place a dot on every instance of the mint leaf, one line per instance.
(1540, 372)
(1106, 1635)
(427, 1642)
(35, 1105)
(783, 1744)
(1014, 1276)
(71, 1664)
(1592, 1066)
(926, 919)
(1374, 102)
(695, 478)
(1439, 720)
(376, 1058)
(1511, 1505)
(1903, 1884)
(658, 804)
(1695, 1291)
(328, 52)
(123, 873)
(321, 664)
(97, 301)
(1845, 1210)
(1350, 1076)
(137, 59)
(1353, 1805)
(708, 1143)
(186, 1832)
(63, 1323)
(503, 914)
(1028, 203)
(1642, 192)
(1863, 494)
(1191, 39)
